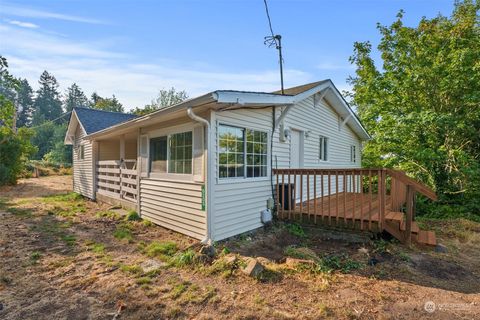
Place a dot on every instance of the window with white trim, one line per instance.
(353, 154)
(172, 153)
(242, 152)
(81, 152)
(323, 151)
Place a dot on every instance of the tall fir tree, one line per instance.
(25, 104)
(75, 98)
(48, 105)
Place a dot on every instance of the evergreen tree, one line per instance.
(48, 105)
(75, 98)
(25, 104)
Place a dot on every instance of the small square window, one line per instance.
(81, 152)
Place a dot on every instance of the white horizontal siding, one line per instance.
(175, 205)
(237, 203)
(83, 169)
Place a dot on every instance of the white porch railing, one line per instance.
(117, 179)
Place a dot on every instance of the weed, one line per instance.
(178, 289)
(108, 214)
(35, 256)
(257, 299)
(184, 258)
(339, 262)
(225, 251)
(20, 212)
(147, 223)
(161, 249)
(69, 239)
(98, 248)
(132, 216)
(143, 280)
(404, 256)
(301, 253)
(381, 246)
(131, 269)
(295, 229)
(67, 197)
(123, 232)
(4, 204)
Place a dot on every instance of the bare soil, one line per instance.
(59, 259)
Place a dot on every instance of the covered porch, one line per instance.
(116, 170)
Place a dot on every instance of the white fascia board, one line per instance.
(245, 98)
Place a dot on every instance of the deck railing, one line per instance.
(354, 197)
(117, 179)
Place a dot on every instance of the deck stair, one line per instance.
(365, 199)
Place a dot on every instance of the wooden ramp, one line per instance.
(364, 199)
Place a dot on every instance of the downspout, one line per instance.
(208, 173)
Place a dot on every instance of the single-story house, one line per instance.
(211, 167)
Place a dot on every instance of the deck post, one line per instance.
(409, 215)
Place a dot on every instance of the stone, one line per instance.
(208, 250)
(294, 262)
(441, 248)
(363, 251)
(151, 265)
(263, 260)
(253, 269)
(231, 259)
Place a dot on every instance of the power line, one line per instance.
(51, 121)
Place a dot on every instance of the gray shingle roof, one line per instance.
(94, 120)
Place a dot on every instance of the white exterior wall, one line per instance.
(237, 203)
(174, 202)
(83, 173)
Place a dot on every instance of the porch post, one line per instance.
(122, 157)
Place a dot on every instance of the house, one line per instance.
(210, 167)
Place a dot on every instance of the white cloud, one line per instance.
(12, 10)
(23, 24)
(96, 67)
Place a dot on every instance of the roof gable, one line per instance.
(94, 120)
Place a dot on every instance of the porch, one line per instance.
(363, 199)
(117, 177)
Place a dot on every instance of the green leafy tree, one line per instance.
(59, 152)
(15, 147)
(106, 104)
(164, 99)
(422, 106)
(48, 105)
(75, 98)
(25, 104)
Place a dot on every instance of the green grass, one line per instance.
(66, 197)
(20, 212)
(35, 256)
(161, 249)
(108, 214)
(132, 216)
(147, 223)
(301, 253)
(131, 269)
(183, 258)
(178, 289)
(123, 232)
(69, 239)
(98, 248)
(143, 280)
(295, 229)
(65, 205)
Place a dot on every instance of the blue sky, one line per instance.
(134, 48)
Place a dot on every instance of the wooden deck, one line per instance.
(340, 207)
(365, 199)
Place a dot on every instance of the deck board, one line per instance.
(343, 207)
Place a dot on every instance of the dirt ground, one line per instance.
(63, 257)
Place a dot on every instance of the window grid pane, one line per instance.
(231, 152)
(180, 153)
(256, 153)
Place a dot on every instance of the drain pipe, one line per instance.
(207, 173)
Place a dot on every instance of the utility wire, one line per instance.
(51, 121)
(268, 17)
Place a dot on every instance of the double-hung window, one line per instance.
(81, 152)
(353, 154)
(323, 152)
(242, 152)
(172, 153)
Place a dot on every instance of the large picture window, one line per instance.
(171, 154)
(242, 152)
